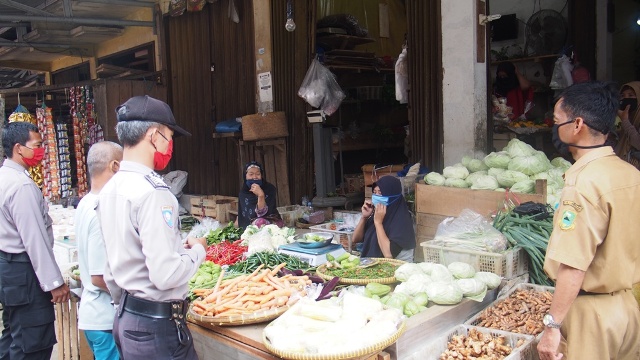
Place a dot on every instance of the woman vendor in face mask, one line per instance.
(629, 137)
(513, 86)
(386, 225)
(257, 198)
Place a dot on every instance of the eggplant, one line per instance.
(284, 271)
(328, 288)
(298, 272)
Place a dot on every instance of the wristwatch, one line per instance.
(548, 321)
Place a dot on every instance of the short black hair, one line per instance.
(16, 133)
(594, 101)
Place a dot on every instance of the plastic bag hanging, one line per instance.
(561, 77)
(402, 77)
(320, 88)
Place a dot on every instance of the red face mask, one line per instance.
(38, 154)
(160, 160)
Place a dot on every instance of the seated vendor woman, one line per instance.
(386, 225)
(257, 198)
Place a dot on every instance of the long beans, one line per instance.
(532, 236)
(269, 260)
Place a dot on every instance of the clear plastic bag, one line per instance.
(561, 77)
(201, 230)
(320, 88)
(472, 231)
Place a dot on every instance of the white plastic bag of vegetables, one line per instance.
(470, 230)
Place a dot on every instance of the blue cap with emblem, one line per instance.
(146, 108)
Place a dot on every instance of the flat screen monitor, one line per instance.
(505, 28)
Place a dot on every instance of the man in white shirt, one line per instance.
(96, 312)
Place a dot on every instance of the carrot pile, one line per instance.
(245, 294)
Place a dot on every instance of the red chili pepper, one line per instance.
(225, 253)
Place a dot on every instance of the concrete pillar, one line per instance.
(464, 85)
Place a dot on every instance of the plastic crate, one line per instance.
(523, 352)
(508, 264)
(290, 213)
(504, 294)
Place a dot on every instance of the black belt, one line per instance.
(172, 310)
(20, 257)
(582, 292)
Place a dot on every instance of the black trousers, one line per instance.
(28, 316)
(139, 337)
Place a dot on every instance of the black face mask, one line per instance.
(633, 104)
(562, 147)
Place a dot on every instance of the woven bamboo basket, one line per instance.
(364, 352)
(233, 320)
(320, 271)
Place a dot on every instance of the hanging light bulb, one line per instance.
(290, 25)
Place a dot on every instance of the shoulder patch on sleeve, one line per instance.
(156, 181)
(567, 220)
(167, 215)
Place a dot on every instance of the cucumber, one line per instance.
(344, 256)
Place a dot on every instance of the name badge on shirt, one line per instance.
(167, 215)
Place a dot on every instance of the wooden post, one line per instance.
(263, 49)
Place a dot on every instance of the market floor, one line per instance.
(54, 354)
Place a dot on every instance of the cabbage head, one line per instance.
(465, 160)
(499, 160)
(433, 178)
(476, 165)
(426, 267)
(507, 178)
(458, 183)
(500, 189)
(528, 165)
(444, 293)
(556, 173)
(524, 187)
(455, 172)
(490, 279)
(404, 271)
(473, 176)
(417, 283)
(495, 171)
(440, 273)
(472, 288)
(421, 299)
(485, 182)
(517, 148)
(461, 270)
(560, 162)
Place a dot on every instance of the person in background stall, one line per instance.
(628, 147)
(593, 249)
(386, 226)
(148, 264)
(30, 280)
(513, 86)
(257, 198)
(96, 312)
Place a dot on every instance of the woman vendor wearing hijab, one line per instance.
(512, 85)
(257, 198)
(386, 226)
(629, 137)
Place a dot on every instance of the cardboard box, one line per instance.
(372, 172)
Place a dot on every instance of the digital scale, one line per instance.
(314, 257)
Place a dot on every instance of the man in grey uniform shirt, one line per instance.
(148, 267)
(30, 280)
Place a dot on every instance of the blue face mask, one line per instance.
(251, 182)
(384, 200)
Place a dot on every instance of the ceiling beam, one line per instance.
(25, 8)
(66, 8)
(123, 2)
(14, 24)
(26, 65)
(33, 44)
(76, 20)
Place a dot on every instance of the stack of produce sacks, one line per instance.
(442, 285)
(516, 167)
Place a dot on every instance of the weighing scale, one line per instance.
(314, 257)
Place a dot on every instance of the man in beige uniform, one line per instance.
(148, 268)
(593, 252)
